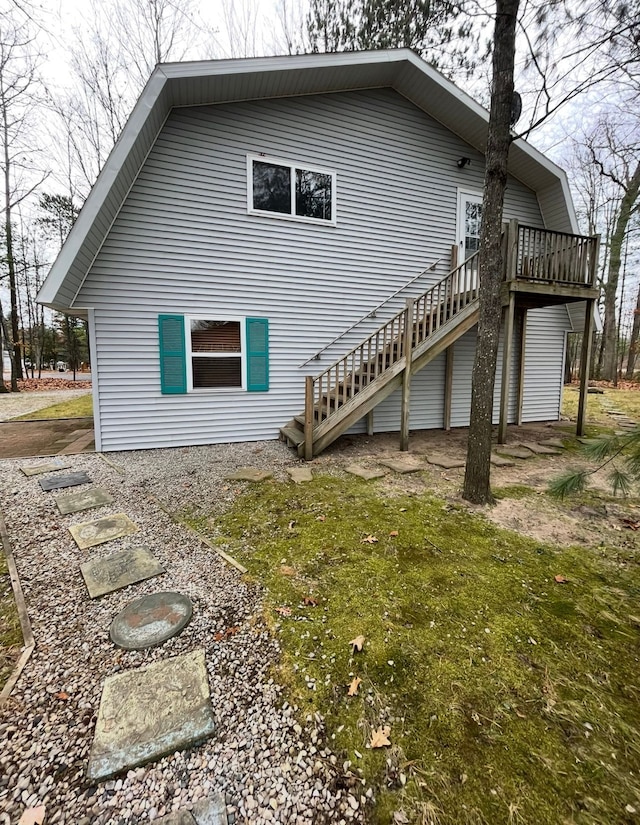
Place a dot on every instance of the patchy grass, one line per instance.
(513, 491)
(10, 632)
(625, 400)
(510, 698)
(80, 407)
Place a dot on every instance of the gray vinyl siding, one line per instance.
(184, 243)
(544, 363)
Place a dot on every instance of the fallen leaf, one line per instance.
(33, 816)
(353, 687)
(309, 601)
(369, 539)
(403, 509)
(224, 634)
(560, 579)
(286, 570)
(321, 518)
(357, 643)
(400, 818)
(631, 523)
(380, 737)
(283, 611)
(62, 695)
(393, 534)
(291, 525)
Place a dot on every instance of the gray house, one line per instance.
(289, 245)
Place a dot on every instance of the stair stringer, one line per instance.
(374, 393)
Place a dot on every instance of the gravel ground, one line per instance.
(13, 404)
(271, 767)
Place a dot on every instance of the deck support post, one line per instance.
(308, 418)
(521, 365)
(448, 388)
(370, 422)
(507, 346)
(407, 339)
(585, 363)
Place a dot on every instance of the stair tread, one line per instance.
(292, 434)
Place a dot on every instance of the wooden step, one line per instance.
(292, 436)
(299, 419)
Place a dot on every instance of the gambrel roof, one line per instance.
(224, 81)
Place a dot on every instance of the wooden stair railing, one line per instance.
(381, 356)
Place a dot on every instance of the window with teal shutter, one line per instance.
(173, 362)
(257, 354)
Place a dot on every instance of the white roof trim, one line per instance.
(400, 69)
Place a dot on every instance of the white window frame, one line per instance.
(464, 195)
(191, 355)
(293, 165)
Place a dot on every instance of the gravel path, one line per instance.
(271, 768)
(13, 404)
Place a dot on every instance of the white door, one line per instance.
(469, 216)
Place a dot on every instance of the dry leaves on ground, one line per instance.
(369, 539)
(353, 687)
(283, 611)
(380, 737)
(357, 643)
(560, 579)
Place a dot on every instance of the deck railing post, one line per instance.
(593, 275)
(308, 418)
(511, 256)
(406, 375)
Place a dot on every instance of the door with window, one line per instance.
(468, 237)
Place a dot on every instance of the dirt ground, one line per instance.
(44, 437)
(529, 511)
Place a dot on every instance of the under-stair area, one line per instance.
(541, 268)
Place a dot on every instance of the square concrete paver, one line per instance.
(210, 811)
(149, 712)
(553, 442)
(445, 461)
(300, 474)
(47, 467)
(249, 474)
(514, 452)
(60, 482)
(499, 461)
(119, 570)
(540, 449)
(364, 472)
(91, 533)
(401, 465)
(84, 500)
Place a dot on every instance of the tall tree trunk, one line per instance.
(633, 343)
(16, 364)
(477, 487)
(618, 236)
(9, 350)
(3, 386)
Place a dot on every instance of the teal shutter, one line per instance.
(257, 355)
(173, 362)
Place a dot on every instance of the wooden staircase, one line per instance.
(356, 383)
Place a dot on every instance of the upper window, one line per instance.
(216, 353)
(281, 189)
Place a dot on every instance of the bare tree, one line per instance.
(17, 83)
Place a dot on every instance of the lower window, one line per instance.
(216, 353)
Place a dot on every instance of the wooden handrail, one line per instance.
(376, 354)
(560, 257)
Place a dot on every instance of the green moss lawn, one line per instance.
(80, 407)
(10, 632)
(510, 697)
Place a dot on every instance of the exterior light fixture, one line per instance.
(462, 162)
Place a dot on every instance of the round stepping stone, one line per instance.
(150, 620)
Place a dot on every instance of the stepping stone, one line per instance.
(47, 467)
(540, 449)
(249, 474)
(300, 474)
(85, 500)
(60, 482)
(401, 465)
(444, 461)
(553, 442)
(499, 461)
(119, 570)
(364, 472)
(514, 452)
(149, 712)
(150, 620)
(91, 533)
(211, 811)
